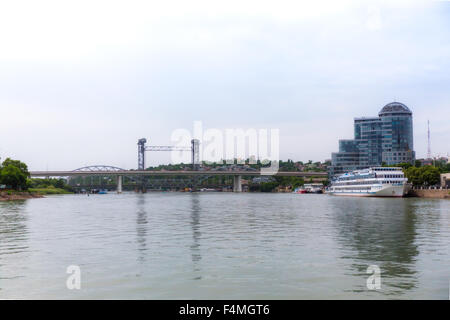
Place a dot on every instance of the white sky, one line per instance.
(81, 81)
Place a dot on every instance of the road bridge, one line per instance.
(120, 173)
(174, 173)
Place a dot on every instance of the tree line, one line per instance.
(14, 174)
(423, 175)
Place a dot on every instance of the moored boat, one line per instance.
(299, 190)
(313, 188)
(371, 182)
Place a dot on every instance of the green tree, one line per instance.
(417, 163)
(430, 175)
(404, 165)
(414, 176)
(18, 164)
(426, 175)
(60, 183)
(11, 175)
(14, 173)
(446, 168)
(268, 186)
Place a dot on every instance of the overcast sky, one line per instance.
(81, 81)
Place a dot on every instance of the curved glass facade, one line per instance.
(397, 141)
(387, 138)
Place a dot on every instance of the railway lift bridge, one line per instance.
(193, 148)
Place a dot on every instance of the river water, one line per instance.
(224, 246)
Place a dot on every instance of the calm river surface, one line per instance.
(224, 246)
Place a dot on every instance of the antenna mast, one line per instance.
(429, 142)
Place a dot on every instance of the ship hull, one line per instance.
(388, 191)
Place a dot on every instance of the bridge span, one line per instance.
(173, 173)
(237, 174)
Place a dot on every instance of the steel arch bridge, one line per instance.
(103, 168)
(98, 168)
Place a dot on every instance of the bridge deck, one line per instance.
(172, 173)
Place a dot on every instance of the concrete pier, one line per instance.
(237, 184)
(437, 193)
(119, 184)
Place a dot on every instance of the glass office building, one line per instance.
(387, 138)
(368, 134)
(397, 142)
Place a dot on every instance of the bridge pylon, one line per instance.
(141, 153)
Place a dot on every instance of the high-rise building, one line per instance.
(387, 138)
(397, 129)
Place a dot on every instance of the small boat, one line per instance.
(102, 191)
(314, 188)
(299, 190)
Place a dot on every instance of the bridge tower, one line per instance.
(195, 151)
(141, 153)
(141, 163)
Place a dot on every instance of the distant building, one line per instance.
(387, 138)
(426, 162)
(262, 179)
(445, 180)
(444, 160)
(434, 161)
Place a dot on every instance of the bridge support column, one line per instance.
(119, 184)
(237, 184)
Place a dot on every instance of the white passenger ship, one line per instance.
(371, 182)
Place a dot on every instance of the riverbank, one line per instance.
(18, 195)
(49, 190)
(430, 193)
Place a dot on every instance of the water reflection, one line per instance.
(277, 246)
(141, 227)
(195, 225)
(13, 227)
(380, 232)
(14, 234)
